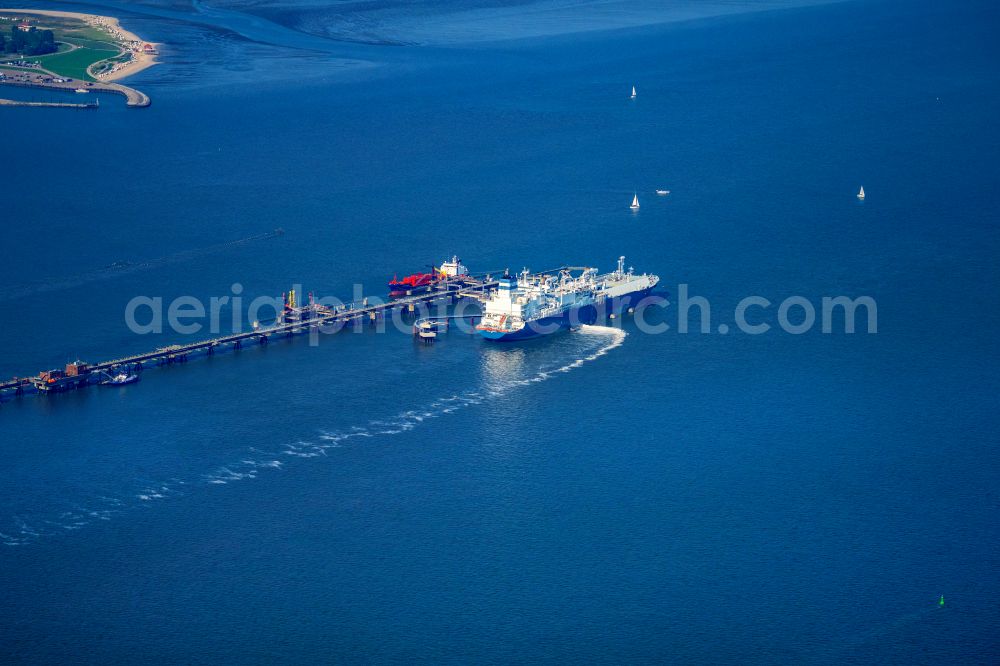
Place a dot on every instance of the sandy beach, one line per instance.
(140, 59)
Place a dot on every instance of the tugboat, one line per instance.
(120, 379)
(429, 327)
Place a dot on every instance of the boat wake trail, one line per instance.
(410, 419)
(504, 372)
(885, 634)
(120, 268)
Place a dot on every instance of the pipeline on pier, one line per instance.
(295, 321)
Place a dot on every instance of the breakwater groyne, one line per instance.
(135, 99)
(56, 105)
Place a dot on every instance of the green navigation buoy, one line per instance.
(941, 601)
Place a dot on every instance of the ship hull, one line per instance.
(544, 326)
(619, 304)
(585, 315)
(400, 288)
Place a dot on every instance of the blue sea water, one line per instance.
(601, 496)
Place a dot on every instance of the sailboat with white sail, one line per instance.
(633, 92)
(861, 193)
(635, 201)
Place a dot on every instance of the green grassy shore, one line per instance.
(80, 45)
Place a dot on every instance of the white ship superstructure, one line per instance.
(536, 304)
(453, 268)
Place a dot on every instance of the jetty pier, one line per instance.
(294, 321)
(134, 99)
(96, 104)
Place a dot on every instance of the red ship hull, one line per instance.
(412, 282)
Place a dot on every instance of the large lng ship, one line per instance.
(530, 305)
